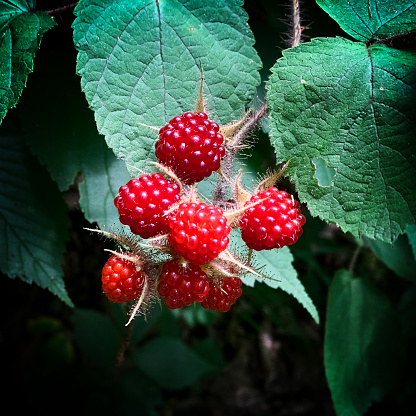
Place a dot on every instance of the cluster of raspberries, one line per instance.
(195, 234)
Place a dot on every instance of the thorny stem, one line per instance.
(296, 24)
(232, 149)
(61, 9)
(124, 343)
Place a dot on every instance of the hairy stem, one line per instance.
(124, 343)
(61, 9)
(296, 24)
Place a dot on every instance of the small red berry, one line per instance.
(182, 285)
(273, 223)
(199, 232)
(191, 146)
(142, 202)
(220, 298)
(121, 281)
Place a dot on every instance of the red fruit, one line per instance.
(221, 298)
(191, 146)
(199, 232)
(142, 202)
(182, 285)
(121, 281)
(273, 223)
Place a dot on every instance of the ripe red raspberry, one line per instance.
(191, 146)
(199, 232)
(182, 285)
(142, 202)
(273, 223)
(121, 281)
(221, 298)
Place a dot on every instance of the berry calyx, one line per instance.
(143, 201)
(191, 146)
(199, 232)
(273, 223)
(181, 285)
(222, 296)
(121, 281)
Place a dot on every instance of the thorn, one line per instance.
(200, 107)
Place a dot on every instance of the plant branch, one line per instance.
(61, 9)
(296, 24)
(124, 344)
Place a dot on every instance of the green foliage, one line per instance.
(342, 109)
(29, 205)
(139, 62)
(21, 30)
(373, 19)
(350, 105)
(80, 150)
(363, 348)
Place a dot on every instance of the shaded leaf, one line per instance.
(398, 257)
(353, 107)
(363, 349)
(139, 62)
(80, 149)
(170, 363)
(33, 219)
(97, 336)
(372, 19)
(277, 266)
(21, 31)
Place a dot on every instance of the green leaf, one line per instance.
(139, 62)
(21, 31)
(277, 266)
(353, 107)
(398, 257)
(80, 149)
(171, 363)
(33, 220)
(362, 344)
(367, 20)
(411, 234)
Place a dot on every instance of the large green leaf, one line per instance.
(363, 350)
(66, 140)
(372, 19)
(33, 219)
(139, 62)
(21, 30)
(353, 107)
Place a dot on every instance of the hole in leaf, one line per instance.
(323, 172)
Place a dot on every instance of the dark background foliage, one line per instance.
(264, 357)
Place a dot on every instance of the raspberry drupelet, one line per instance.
(199, 232)
(273, 223)
(222, 297)
(142, 202)
(191, 146)
(181, 285)
(121, 281)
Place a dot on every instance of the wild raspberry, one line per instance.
(273, 223)
(199, 232)
(181, 285)
(220, 298)
(142, 202)
(191, 146)
(121, 281)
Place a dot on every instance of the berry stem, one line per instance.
(124, 343)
